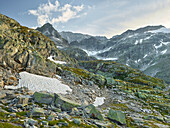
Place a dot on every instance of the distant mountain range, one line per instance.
(147, 48)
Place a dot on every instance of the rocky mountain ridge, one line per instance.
(145, 48)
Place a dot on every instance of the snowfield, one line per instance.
(99, 101)
(42, 83)
(57, 62)
(105, 58)
(94, 53)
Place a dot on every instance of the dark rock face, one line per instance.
(74, 36)
(117, 116)
(48, 30)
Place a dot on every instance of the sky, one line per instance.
(94, 17)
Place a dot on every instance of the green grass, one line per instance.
(8, 125)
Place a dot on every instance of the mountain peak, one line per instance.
(49, 31)
(144, 29)
(47, 25)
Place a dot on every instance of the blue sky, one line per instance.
(95, 17)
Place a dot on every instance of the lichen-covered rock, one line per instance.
(37, 112)
(43, 97)
(110, 81)
(93, 112)
(117, 116)
(75, 111)
(64, 103)
(23, 100)
(32, 122)
(2, 95)
(77, 121)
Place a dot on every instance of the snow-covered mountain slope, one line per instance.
(147, 48)
(142, 49)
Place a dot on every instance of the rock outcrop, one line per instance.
(24, 49)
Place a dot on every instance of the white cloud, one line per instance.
(78, 8)
(47, 13)
(112, 18)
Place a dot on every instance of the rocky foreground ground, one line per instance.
(122, 108)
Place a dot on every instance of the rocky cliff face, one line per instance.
(22, 48)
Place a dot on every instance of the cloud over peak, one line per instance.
(55, 13)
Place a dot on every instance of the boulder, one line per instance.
(77, 121)
(37, 112)
(23, 100)
(51, 118)
(32, 122)
(102, 124)
(117, 116)
(65, 104)
(2, 84)
(93, 112)
(43, 97)
(2, 95)
(110, 81)
(44, 122)
(75, 111)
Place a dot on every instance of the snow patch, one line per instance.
(145, 56)
(164, 51)
(57, 62)
(99, 101)
(46, 32)
(93, 53)
(165, 43)
(56, 39)
(140, 41)
(42, 83)
(136, 61)
(163, 30)
(136, 42)
(147, 37)
(158, 46)
(60, 47)
(104, 58)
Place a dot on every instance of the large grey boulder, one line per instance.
(37, 112)
(43, 97)
(117, 116)
(93, 112)
(65, 104)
